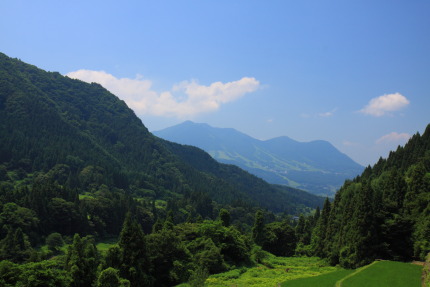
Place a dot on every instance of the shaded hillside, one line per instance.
(383, 213)
(47, 119)
(279, 197)
(315, 166)
(77, 165)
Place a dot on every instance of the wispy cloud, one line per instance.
(187, 98)
(327, 114)
(394, 137)
(319, 115)
(385, 104)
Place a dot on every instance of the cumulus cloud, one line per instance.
(384, 104)
(393, 138)
(187, 98)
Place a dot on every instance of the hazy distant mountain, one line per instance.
(315, 166)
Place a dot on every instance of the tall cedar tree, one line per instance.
(319, 234)
(82, 261)
(258, 228)
(134, 260)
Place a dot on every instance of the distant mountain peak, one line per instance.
(316, 166)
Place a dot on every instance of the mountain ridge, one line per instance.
(47, 119)
(279, 160)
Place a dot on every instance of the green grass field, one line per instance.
(325, 280)
(103, 246)
(386, 273)
(276, 273)
(307, 272)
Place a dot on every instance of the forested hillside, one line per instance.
(48, 119)
(77, 168)
(383, 213)
(74, 160)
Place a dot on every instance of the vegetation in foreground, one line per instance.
(385, 274)
(426, 272)
(325, 280)
(74, 160)
(273, 271)
(305, 272)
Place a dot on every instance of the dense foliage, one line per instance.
(384, 213)
(77, 166)
(87, 137)
(426, 272)
(75, 160)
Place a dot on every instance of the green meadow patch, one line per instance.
(274, 271)
(325, 280)
(86, 195)
(312, 271)
(384, 273)
(105, 244)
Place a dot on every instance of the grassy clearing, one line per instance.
(103, 246)
(386, 273)
(325, 280)
(263, 276)
(86, 195)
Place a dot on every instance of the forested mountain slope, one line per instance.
(315, 166)
(383, 213)
(77, 165)
(47, 120)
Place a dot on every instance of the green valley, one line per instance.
(90, 198)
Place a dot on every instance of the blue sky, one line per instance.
(354, 73)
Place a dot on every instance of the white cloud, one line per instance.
(384, 104)
(327, 114)
(184, 99)
(394, 138)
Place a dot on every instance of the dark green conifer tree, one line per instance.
(15, 246)
(300, 228)
(320, 230)
(134, 260)
(224, 216)
(258, 234)
(169, 222)
(82, 261)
